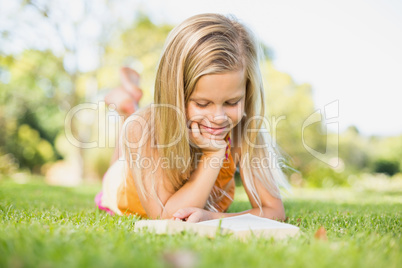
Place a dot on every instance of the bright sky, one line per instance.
(349, 51)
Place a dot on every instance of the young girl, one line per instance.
(181, 152)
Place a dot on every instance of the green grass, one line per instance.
(47, 226)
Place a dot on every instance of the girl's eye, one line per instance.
(201, 105)
(233, 104)
(228, 103)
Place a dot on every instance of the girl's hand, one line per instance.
(192, 214)
(207, 145)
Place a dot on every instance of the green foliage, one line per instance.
(354, 149)
(288, 105)
(49, 226)
(38, 92)
(35, 151)
(8, 163)
(31, 112)
(386, 166)
(322, 175)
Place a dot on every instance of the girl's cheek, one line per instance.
(195, 114)
(196, 111)
(235, 112)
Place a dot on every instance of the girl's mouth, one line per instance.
(214, 131)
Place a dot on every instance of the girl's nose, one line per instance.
(219, 115)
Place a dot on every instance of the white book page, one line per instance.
(248, 222)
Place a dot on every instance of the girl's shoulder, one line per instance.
(141, 117)
(144, 112)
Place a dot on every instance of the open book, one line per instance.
(242, 226)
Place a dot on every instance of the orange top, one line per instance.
(129, 203)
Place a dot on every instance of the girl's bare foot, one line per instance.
(127, 95)
(130, 81)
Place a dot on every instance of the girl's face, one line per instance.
(217, 103)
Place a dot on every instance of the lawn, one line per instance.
(48, 226)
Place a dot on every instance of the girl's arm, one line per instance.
(195, 192)
(272, 207)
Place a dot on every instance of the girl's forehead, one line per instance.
(220, 85)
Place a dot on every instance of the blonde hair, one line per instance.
(210, 44)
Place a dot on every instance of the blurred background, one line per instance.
(338, 61)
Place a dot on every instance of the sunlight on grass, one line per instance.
(368, 190)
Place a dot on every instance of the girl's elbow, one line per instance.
(166, 214)
(275, 214)
(282, 217)
(158, 215)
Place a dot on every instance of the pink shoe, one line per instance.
(98, 199)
